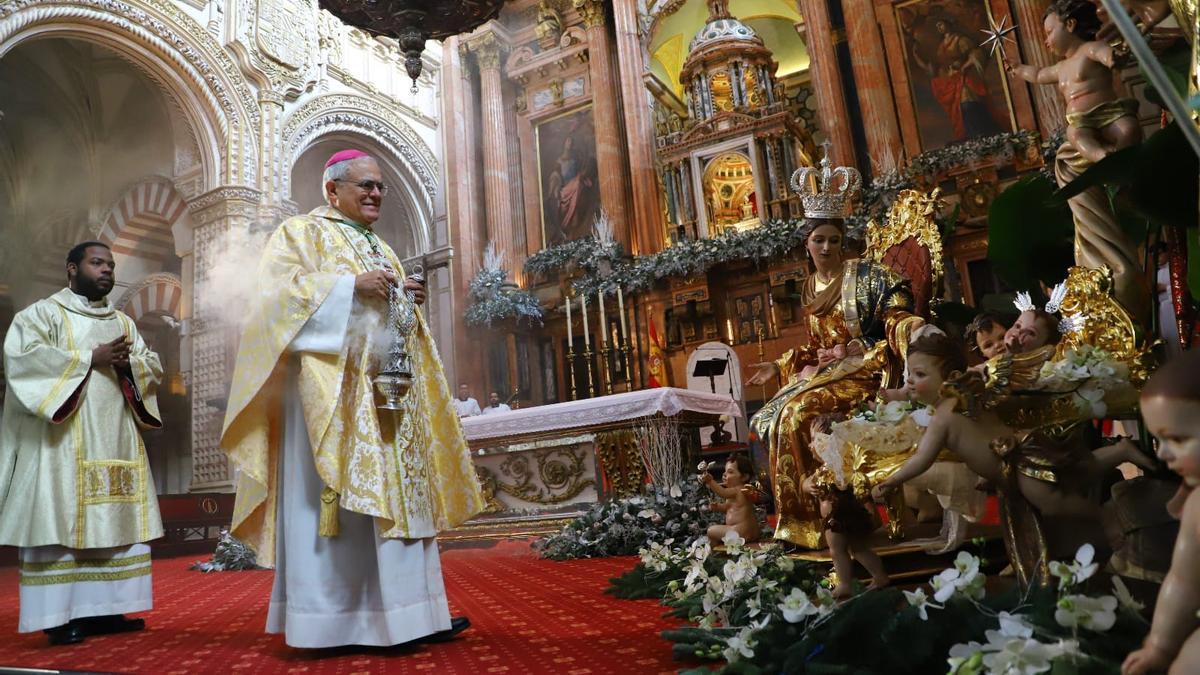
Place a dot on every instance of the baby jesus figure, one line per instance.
(1098, 120)
(739, 500)
(1171, 407)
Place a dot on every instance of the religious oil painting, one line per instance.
(959, 90)
(567, 176)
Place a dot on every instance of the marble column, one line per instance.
(1029, 15)
(467, 230)
(610, 160)
(872, 82)
(215, 215)
(826, 80)
(497, 192)
(646, 215)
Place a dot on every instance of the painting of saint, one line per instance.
(958, 91)
(570, 192)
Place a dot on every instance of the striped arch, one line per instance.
(160, 293)
(139, 224)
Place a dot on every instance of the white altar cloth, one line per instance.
(668, 401)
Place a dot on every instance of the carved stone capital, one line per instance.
(488, 49)
(592, 12)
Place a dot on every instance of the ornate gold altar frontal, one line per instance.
(561, 475)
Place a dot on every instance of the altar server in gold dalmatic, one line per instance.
(75, 489)
(344, 499)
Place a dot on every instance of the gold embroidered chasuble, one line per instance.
(874, 308)
(412, 472)
(73, 468)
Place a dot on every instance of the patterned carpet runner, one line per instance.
(528, 616)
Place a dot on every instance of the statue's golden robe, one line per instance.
(73, 469)
(418, 470)
(875, 309)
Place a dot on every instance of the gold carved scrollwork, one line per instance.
(1108, 326)
(558, 476)
(621, 459)
(911, 216)
(489, 485)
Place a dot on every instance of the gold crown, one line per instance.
(819, 194)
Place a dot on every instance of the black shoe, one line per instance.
(457, 625)
(108, 624)
(66, 634)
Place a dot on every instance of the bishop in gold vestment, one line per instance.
(75, 489)
(342, 498)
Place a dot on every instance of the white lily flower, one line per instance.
(919, 600)
(1098, 614)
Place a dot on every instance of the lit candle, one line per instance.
(570, 338)
(729, 329)
(621, 309)
(587, 340)
(603, 326)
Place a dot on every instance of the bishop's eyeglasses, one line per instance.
(367, 185)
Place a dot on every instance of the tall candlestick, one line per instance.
(603, 325)
(729, 330)
(587, 340)
(621, 309)
(570, 338)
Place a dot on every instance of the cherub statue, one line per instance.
(1098, 120)
(1171, 407)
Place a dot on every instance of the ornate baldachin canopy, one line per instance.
(412, 22)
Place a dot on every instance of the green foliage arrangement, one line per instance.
(492, 301)
(623, 526)
(231, 555)
(762, 613)
(605, 267)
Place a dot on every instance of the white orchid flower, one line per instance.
(919, 600)
(786, 564)
(1098, 614)
(1014, 625)
(1091, 401)
(1124, 597)
(796, 606)
(676, 491)
(733, 542)
(740, 645)
(646, 513)
(1020, 656)
(753, 607)
(1077, 572)
(970, 655)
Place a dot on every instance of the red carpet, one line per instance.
(528, 616)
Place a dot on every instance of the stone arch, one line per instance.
(175, 52)
(358, 116)
(141, 223)
(160, 293)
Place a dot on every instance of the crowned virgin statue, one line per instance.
(858, 317)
